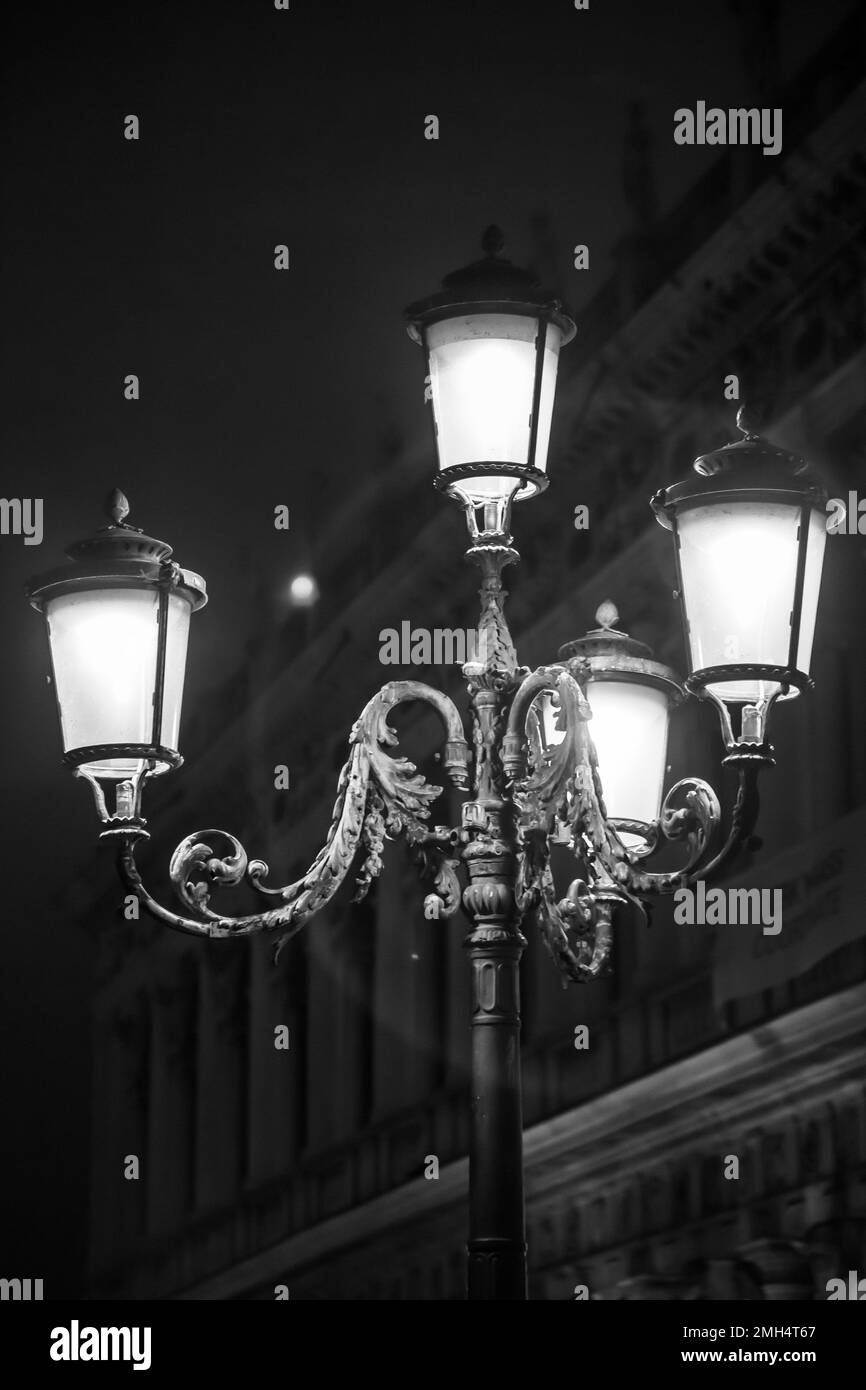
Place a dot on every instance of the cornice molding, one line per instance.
(754, 1079)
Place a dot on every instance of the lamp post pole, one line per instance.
(497, 1236)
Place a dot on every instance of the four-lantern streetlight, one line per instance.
(572, 753)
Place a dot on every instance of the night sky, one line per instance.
(155, 257)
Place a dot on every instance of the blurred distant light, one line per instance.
(303, 591)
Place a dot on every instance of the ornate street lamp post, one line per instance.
(749, 552)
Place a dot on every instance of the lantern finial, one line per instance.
(749, 421)
(492, 241)
(116, 507)
(607, 614)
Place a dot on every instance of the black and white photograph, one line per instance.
(433, 591)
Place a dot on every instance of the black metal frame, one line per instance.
(624, 668)
(799, 583)
(145, 752)
(119, 557)
(788, 675)
(159, 674)
(493, 285)
(160, 758)
(446, 478)
(533, 480)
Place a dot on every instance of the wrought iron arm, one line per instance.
(377, 796)
(564, 794)
(577, 930)
(567, 791)
(699, 824)
(744, 818)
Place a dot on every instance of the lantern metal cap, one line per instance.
(117, 556)
(118, 540)
(752, 467)
(614, 655)
(750, 452)
(492, 284)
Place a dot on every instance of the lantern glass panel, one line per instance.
(104, 654)
(482, 375)
(739, 566)
(629, 728)
(177, 637)
(811, 588)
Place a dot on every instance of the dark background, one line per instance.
(258, 127)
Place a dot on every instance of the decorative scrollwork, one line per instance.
(544, 795)
(696, 822)
(377, 796)
(650, 833)
(744, 817)
(194, 868)
(528, 795)
(577, 930)
(497, 669)
(437, 856)
(563, 790)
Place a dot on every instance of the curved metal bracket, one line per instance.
(577, 930)
(377, 796)
(744, 818)
(698, 823)
(438, 858)
(543, 795)
(561, 798)
(567, 790)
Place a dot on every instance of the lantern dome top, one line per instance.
(117, 555)
(751, 452)
(752, 467)
(614, 655)
(119, 540)
(607, 639)
(489, 285)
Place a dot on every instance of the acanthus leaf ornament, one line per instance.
(377, 796)
(550, 799)
(438, 856)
